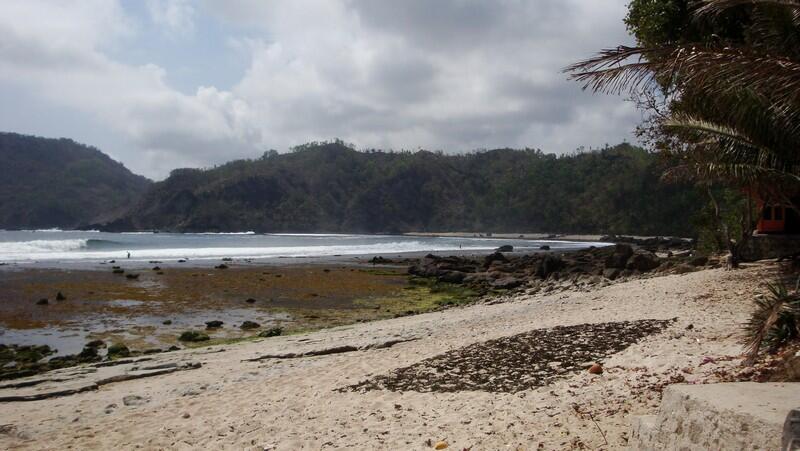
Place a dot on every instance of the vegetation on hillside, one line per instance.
(331, 187)
(60, 183)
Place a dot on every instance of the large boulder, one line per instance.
(643, 261)
(495, 257)
(549, 265)
(505, 248)
(619, 257)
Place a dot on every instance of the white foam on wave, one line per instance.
(250, 232)
(61, 250)
(57, 230)
(16, 250)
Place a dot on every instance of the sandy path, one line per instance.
(293, 403)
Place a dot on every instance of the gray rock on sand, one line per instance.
(507, 283)
(250, 325)
(215, 324)
(134, 400)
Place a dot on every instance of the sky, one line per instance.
(161, 84)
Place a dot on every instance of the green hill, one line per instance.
(60, 183)
(329, 187)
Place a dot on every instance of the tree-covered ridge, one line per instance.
(60, 183)
(331, 187)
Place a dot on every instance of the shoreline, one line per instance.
(214, 407)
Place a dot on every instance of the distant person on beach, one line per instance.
(129, 254)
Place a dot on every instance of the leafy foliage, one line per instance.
(775, 321)
(722, 84)
(60, 183)
(331, 187)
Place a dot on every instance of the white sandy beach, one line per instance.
(290, 404)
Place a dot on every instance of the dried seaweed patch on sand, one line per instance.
(519, 362)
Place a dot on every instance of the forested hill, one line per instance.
(328, 187)
(60, 183)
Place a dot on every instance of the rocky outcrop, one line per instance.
(548, 270)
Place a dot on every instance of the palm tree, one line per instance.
(733, 105)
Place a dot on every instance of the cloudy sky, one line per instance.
(159, 84)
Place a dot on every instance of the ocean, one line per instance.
(63, 246)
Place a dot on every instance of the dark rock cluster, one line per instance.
(548, 270)
(519, 362)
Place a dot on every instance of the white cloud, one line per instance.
(453, 75)
(177, 16)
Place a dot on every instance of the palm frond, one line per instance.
(717, 7)
(710, 71)
(764, 318)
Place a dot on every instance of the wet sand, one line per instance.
(102, 305)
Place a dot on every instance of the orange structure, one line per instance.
(777, 219)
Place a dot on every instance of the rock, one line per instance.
(118, 350)
(193, 336)
(684, 268)
(271, 332)
(156, 268)
(227, 259)
(221, 266)
(378, 259)
(42, 301)
(182, 261)
(544, 247)
(134, 400)
(440, 445)
(643, 261)
(700, 260)
(186, 415)
(452, 277)
(622, 252)
(89, 353)
(505, 248)
(250, 325)
(549, 265)
(213, 324)
(495, 257)
(507, 283)
(118, 271)
(596, 369)
(60, 296)
(250, 301)
(166, 322)
(132, 276)
(96, 344)
(690, 327)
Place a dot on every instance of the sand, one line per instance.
(240, 399)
